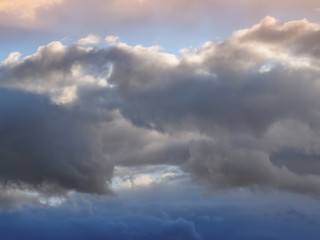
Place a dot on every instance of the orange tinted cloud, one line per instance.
(31, 13)
(23, 12)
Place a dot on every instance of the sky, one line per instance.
(147, 119)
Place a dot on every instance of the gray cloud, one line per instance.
(297, 162)
(219, 111)
(53, 148)
(46, 146)
(220, 167)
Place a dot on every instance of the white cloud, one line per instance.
(89, 40)
(112, 39)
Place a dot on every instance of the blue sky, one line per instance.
(141, 119)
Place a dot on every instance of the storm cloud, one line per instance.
(221, 112)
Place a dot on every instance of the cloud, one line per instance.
(180, 211)
(48, 148)
(24, 13)
(112, 14)
(219, 168)
(112, 39)
(53, 149)
(54, 142)
(89, 40)
(221, 111)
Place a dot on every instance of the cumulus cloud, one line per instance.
(223, 112)
(89, 40)
(53, 143)
(53, 149)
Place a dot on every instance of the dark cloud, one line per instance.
(222, 167)
(53, 148)
(179, 212)
(86, 227)
(297, 162)
(43, 144)
(219, 111)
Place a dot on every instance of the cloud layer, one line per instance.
(172, 209)
(44, 13)
(225, 112)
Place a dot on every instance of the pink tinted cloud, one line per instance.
(116, 13)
